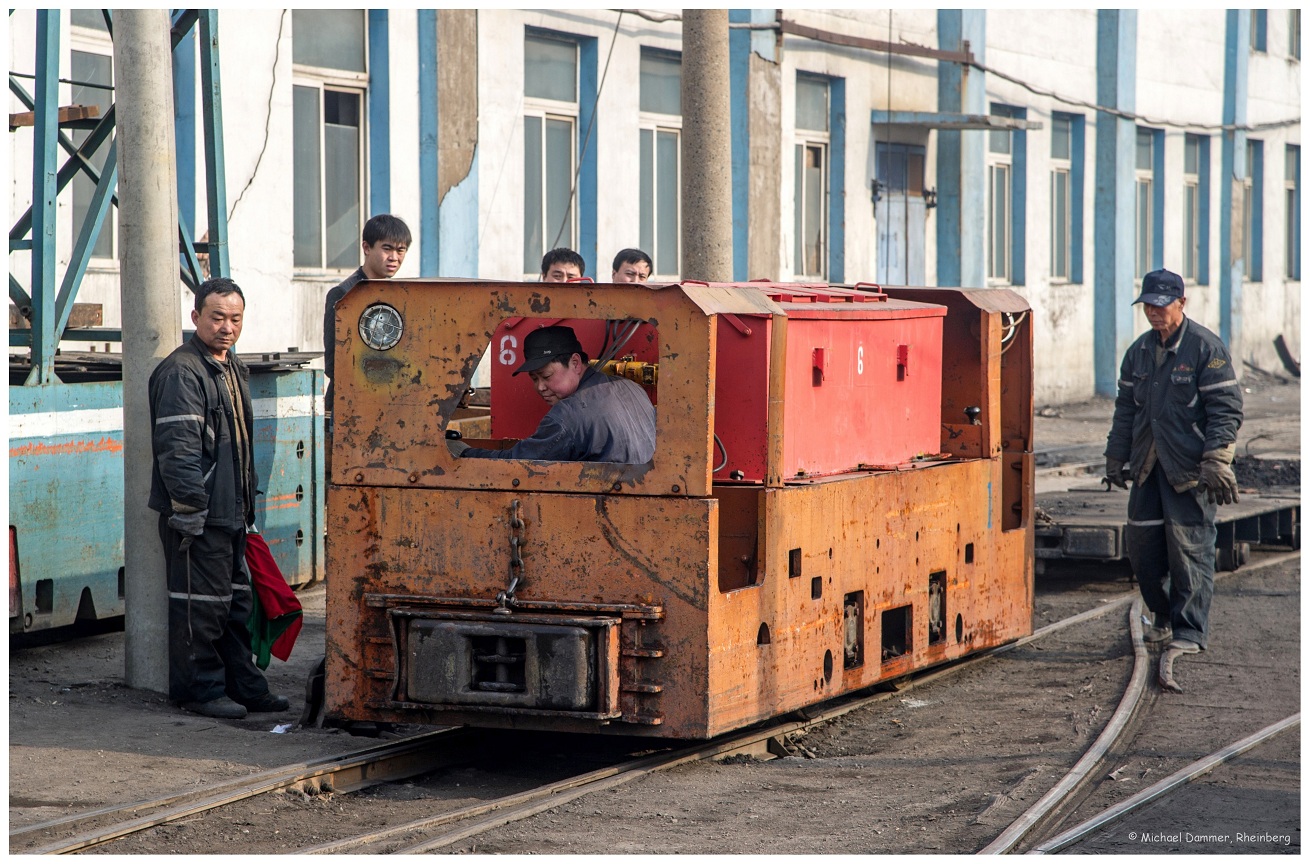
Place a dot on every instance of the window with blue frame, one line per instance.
(330, 79)
(1006, 198)
(660, 146)
(1196, 208)
(810, 257)
(550, 121)
(1292, 197)
(1066, 196)
(1252, 212)
(1260, 30)
(1148, 205)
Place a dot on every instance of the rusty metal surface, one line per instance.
(392, 407)
(730, 603)
(593, 548)
(882, 534)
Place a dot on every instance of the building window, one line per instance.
(1260, 30)
(1252, 212)
(1292, 197)
(330, 79)
(550, 124)
(1006, 195)
(1191, 206)
(93, 81)
(660, 146)
(810, 252)
(1148, 209)
(1061, 188)
(1294, 34)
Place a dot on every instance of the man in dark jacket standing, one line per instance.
(203, 486)
(1174, 435)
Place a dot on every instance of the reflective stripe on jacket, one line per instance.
(1189, 405)
(192, 426)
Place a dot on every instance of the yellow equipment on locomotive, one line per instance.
(841, 493)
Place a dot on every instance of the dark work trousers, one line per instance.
(209, 652)
(1170, 539)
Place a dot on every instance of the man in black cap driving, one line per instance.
(1174, 435)
(593, 417)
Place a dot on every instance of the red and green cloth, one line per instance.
(275, 614)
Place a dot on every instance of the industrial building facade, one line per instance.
(1059, 153)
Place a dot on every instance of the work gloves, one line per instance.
(456, 446)
(1114, 472)
(1217, 477)
(190, 524)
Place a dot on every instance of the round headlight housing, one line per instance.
(380, 326)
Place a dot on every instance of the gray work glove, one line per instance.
(191, 524)
(1114, 472)
(456, 446)
(1218, 479)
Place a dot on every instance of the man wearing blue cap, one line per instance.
(1174, 435)
(593, 417)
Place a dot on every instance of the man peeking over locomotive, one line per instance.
(203, 486)
(593, 417)
(385, 241)
(1174, 435)
(562, 264)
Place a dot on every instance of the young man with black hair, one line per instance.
(562, 265)
(593, 417)
(203, 486)
(385, 242)
(632, 265)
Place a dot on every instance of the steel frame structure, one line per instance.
(44, 303)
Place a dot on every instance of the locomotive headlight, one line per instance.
(380, 327)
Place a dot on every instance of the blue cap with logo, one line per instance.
(1160, 288)
(547, 344)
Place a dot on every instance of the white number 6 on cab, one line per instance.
(508, 356)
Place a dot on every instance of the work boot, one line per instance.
(268, 703)
(1156, 632)
(1184, 646)
(223, 708)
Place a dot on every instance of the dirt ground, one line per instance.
(938, 769)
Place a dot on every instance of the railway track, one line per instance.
(1042, 818)
(410, 757)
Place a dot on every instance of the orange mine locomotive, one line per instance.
(841, 493)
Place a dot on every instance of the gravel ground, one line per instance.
(941, 768)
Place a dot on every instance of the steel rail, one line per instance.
(1163, 787)
(344, 772)
(511, 808)
(1010, 837)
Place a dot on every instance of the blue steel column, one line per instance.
(961, 163)
(1237, 38)
(184, 128)
(429, 221)
(219, 265)
(379, 112)
(1116, 76)
(44, 190)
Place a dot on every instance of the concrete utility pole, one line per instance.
(706, 147)
(149, 280)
